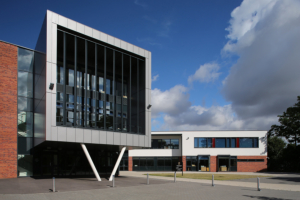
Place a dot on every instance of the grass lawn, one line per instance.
(221, 177)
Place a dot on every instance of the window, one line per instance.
(225, 142)
(248, 142)
(165, 144)
(202, 142)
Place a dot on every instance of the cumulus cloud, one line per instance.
(155, 78)
(261, 84)
(206, 73)
(265, 79)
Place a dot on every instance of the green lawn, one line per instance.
(221, 177)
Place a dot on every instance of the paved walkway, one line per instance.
(291, 181)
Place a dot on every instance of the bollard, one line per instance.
(147, 179)
(258, 181)
(113, 180)
(212, 184)
(175, 177)
(53, 189)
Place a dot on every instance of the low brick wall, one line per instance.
(213, 163)
(252, 166)
(129, 163)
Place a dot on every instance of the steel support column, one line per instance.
(117, 163)
(91, 162)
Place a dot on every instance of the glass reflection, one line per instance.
(25, 60)
(25, 84)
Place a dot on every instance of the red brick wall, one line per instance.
(129, 163)
(183, 163)
(252, 166)
(8, 110)
(213, 163)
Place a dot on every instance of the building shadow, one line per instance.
(265, 198)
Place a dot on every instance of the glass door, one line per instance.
(49, 165)
(203, 163)
(223, 163)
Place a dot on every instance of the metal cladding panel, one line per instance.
(141, 140)
(61, 134)
(53, 133)
(53, 43)
(123, 45)
(95, 137)
(129, 139)
(141, 52)
(62, 21)
(110, 40)
(117, 138)
(71, 136)
(135, 140)
(53, 78)
(146, 141)
(109, 137)
(117, 42)
(54, 18)
(79, 135)
(123, 138)
(135, 49)
(80, 28)
(71, 24)
(49, 38)
(87, 136)
(52, 114)
(104, 37)
(96, 34)
(129, 47)
(88, 31)
(103, 137)
(48, 119)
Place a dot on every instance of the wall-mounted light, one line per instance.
(187, 138)
(149, 106)
(51, 86)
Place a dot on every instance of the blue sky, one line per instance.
(216, 64)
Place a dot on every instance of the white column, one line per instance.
(117, 163)
(91, 162)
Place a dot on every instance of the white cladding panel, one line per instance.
(57, 133)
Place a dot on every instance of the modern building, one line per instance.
(71, 106)
(205, 151)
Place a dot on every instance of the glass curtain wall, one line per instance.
(99, 87)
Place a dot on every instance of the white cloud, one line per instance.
(155, 78)
(206, 73)
(265, 79)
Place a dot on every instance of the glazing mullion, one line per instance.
(129, 97)
(64, 86)
(85, 85)
(104, 88)
(137, 97)
(113, 93)
(96, 89)
(122, 95)
(75, 82)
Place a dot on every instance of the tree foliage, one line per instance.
(289, 124)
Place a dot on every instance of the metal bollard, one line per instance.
(175, 177)
(258, 181)
(53, 189)
(113, 180)
(147, 179)
(213, 184)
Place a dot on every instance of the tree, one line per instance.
(276, 147)
(290, 124)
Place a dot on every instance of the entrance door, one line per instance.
(224, 163)
(203, 163)
(49, 165)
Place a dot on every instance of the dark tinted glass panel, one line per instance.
(233, 142)
(39, 62)
(141, 96)
(126, 92)
(195, 142)
(70, 52)
(134, 108)
(80, 83)
(25, 165)
(118, 90)
(91, 70)
(24, 145)
(246, 142)
(109, 89)
(255, 142)
(25, 104)
(25, 124)
(150, 162)
(175, 143)
(25, 60)
(160, 162)
(228, 142)
(209, 142)
(143, 162)
(168, 162)
(220, 142)
(202, 142)
(25, 84)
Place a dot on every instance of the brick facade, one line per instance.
(213, 163)
(130, 164)
(183, 163)
(252, 166)
(8, 110)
